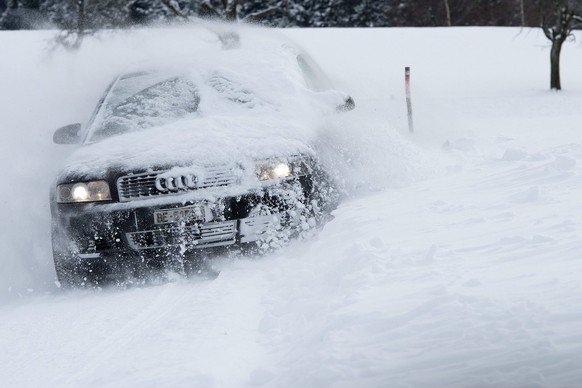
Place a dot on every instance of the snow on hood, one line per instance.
(204, 141)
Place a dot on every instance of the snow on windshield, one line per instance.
(140, 101)
(258, 80)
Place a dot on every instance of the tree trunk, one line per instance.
(80, 24)
(522, 13)
(448, 11)
(231, 11)
(555, 64)
(81, 17)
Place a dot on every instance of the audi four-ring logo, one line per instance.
(176, 183)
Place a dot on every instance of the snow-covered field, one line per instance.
(456, 260)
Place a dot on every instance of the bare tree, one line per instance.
(72, 37)
(565, 18)
(230, 10)
(82, 18)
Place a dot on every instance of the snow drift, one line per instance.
(454, 260)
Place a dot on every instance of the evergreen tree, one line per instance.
(17, 14)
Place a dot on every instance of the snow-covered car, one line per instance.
(215, 153)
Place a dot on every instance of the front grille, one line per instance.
(142, 186)
(137, 186)
(194, 236)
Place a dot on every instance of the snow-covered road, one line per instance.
(455, 262)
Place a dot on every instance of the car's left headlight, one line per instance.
(83, 192)
(267, 170)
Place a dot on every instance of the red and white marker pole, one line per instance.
(408, 99)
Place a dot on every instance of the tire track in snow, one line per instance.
(183, 337)
(163, 304)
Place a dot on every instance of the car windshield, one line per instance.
(144, 100)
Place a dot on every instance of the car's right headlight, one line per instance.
(267, 170)
(83, 192)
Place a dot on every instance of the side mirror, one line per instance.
(69, 134)
(335, 99)
(348, 105)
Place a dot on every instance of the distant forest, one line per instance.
(99, 14)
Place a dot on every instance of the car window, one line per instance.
(143, 100)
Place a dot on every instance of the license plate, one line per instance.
(182, 214)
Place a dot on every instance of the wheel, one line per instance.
(72, 273)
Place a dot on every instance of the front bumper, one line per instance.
(203, 235)
(117, 232)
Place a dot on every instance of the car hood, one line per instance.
(198, 142)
